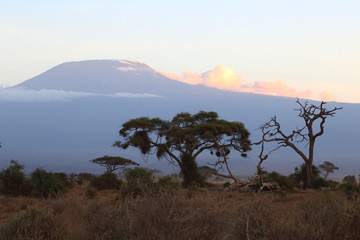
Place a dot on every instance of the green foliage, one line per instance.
(299, 176)
(64, 179)
(319, 182)
(283, 181)
(46, 184)
(183, 138)
(13, 181)
(113, 163)
(34, 223)
(190, 171)
(349, 184)
(349, 179)
(139, 179)
(327, 168)
(84, 177)
(350, 187)
(168, 182)
(206, 171)
(106, 181)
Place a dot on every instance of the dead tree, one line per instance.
(311, 115)
(222, 161)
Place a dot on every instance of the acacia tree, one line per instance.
(182, 139)
(314, 118)
(326, 168)
(113, 163)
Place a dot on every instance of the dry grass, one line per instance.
(185, 214)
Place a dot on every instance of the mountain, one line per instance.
(65, 135)
(107, 77)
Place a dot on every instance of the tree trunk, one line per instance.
(309, 162)
(190, 172)
(308, 177)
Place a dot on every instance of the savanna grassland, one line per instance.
(83, 212)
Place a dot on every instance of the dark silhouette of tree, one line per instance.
(326, 168)
(182, 139)
(314, 118)
(349, 179)
(13, 180)
(299, 175)
(113, 163)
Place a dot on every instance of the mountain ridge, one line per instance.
(104, 77)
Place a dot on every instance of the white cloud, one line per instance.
(223, 77)
(28, 95)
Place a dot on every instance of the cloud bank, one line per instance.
(223, 77)
(44, 95)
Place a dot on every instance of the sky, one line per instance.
(297, 48)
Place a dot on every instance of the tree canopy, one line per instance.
(326, 168)
(113, 163)
(183, 138)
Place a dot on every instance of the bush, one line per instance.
(283, 181)
(319, 182)
(13, 181)
(350, 187)
(349, 179)
(64, 179)
(34, 223)
(299, 177)
(168, 182)
(46, 184)
(139, 179)
(84, 177)
(106, 181)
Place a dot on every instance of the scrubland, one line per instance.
(83, 212)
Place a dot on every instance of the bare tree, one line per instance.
(312, 116)
(326, 168)
(222, 153)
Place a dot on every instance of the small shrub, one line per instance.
(350, 187)
(349, 179)
(283, 181)
(84, 177)
(13, 181)
(46, 184)
(139, 179)
(168, 182)
(319, 182)
(64, 179)
(34, 223)
(106, 181)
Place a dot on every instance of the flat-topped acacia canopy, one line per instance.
(113, 163)
(183, 138)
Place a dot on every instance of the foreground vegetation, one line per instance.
(142, 206)
(211, 213)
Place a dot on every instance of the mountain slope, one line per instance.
(105, 77)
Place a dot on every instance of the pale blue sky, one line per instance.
(307, 44)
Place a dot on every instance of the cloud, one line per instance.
(223, 77)
(44, 95)
(326, 97)
(279, 88)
